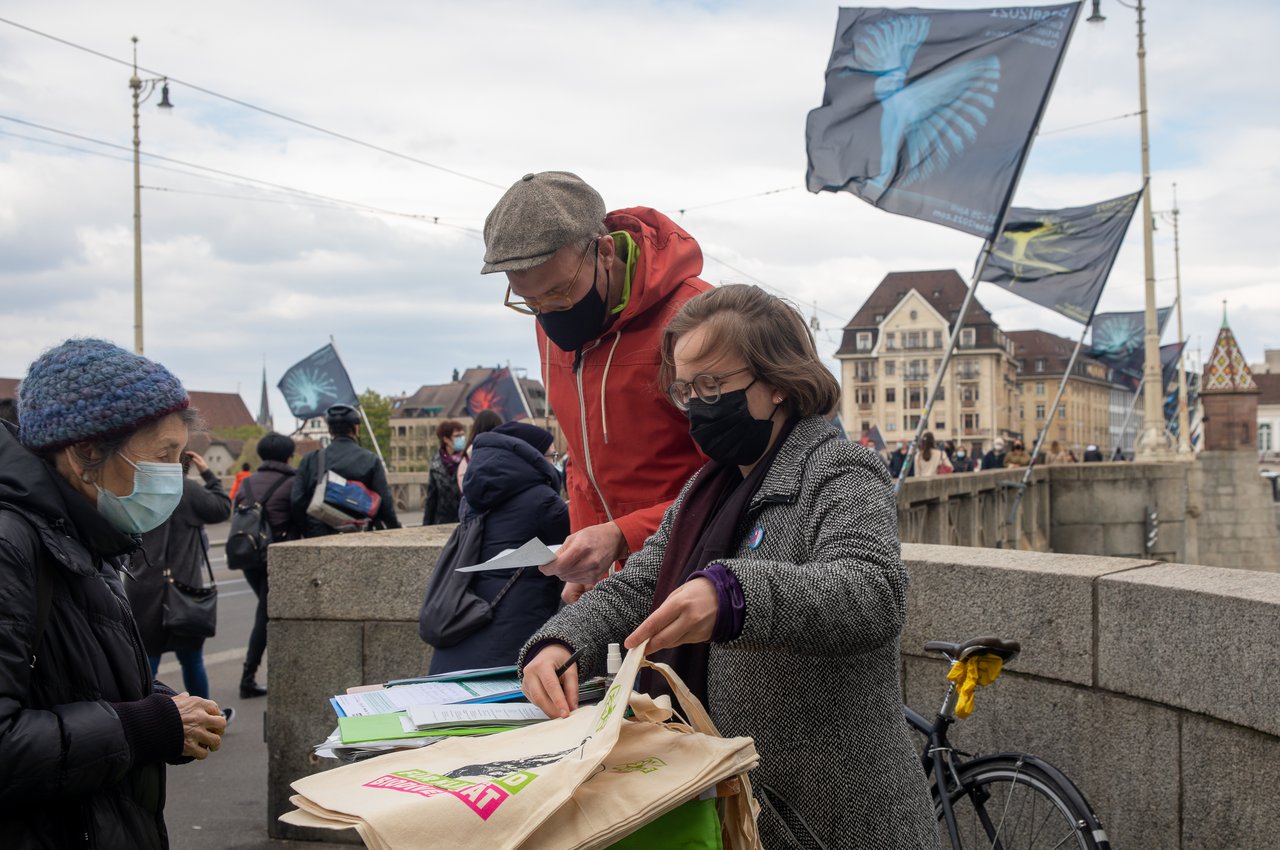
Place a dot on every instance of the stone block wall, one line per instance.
(1151, 684)
(1238, 525)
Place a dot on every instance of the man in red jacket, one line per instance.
(603, 287)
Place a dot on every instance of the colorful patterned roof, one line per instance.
(1227, 370)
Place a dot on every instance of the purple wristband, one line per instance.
(731, 607)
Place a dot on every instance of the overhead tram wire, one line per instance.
(683, 210)
(279, 115)
(290, 190)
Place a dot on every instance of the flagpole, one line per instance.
(373, 438)
(1044, 432)
(520, 391)
(1133, 405)
(1184, 425)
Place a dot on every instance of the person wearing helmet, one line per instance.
(346, 457)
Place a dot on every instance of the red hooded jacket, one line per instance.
(629, 448)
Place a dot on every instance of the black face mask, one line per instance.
(726, 431)
(573, 328)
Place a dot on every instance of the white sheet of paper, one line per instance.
(535, 553)
(441, 716)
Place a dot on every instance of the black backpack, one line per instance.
(450, 609)
(250, 533)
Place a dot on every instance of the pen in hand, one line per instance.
(569, 662)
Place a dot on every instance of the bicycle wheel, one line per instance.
(1019, 802)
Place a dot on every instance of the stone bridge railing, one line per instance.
(1152, 684)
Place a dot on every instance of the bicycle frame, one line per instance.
(937, 762)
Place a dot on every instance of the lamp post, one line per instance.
(138, 84)
(1184, 424)
(1152, 443)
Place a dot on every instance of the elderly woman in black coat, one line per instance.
(511, 482)
(85, 732)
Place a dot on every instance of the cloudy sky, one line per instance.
(683, 106)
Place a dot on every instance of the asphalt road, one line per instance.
(220, 803)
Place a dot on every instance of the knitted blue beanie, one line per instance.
(90, 389)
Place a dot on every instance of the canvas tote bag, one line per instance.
(577, 782)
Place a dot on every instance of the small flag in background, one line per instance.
(871, 438)
(1116, 339)
(1060, 259)
(500, 394)
(929, 113)
(312, 385)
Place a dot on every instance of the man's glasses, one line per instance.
(559, 299)
(705, 387)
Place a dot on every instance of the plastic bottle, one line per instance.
(613, 660)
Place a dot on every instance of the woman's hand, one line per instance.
(573, 591)
(198, 462)
(555, 696)
(202, 725)
(688, 616)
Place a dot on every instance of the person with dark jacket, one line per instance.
(510, 482)
(180, 546)
(896, 459)
(443, 489)
(961, 462)
(1092, 454)
(346, 457)
(273, 482)
(85, 731)
(994, 459)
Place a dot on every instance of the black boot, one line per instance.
(250, 688)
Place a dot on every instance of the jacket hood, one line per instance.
(30, 484)
(668, 257)
(501, 467)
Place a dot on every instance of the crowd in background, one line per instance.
(945, 457)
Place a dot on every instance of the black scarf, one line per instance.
(707, 529)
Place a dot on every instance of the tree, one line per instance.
(377, 408)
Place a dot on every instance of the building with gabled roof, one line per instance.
(1229, 396)
(221, 410)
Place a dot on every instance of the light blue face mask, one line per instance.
(459, 443)
(157, 490)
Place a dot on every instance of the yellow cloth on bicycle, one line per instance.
(968, 674)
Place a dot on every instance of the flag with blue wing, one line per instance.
(930, 113)
(312, 385)
(1061, 259)
(1116, 339)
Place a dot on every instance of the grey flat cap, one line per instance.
(538, 215)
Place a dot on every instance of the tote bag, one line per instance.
(578, 782)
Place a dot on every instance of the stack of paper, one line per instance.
(427, 718)
(399, 697)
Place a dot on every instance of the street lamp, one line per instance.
(138, 84)
(1152, 442)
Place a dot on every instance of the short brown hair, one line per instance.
(769, 334)
(448, 428)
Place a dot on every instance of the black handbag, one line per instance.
(190, 612)
(451, 611)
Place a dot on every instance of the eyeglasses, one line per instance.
(559, 299)
(705, 387)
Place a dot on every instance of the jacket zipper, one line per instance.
(586, 438)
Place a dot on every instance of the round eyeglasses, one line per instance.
(705, 387)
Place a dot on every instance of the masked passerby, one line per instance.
(774, 586)
(994, 459)
(602, 286)
(346, 457)
(85, 731)
(443, 491)
(485, 421)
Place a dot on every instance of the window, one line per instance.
(915, 398)
(1040, 363)
(1264, 437)
(968, 337)
(969, 393)
(863, 341)
(864, 370)
(1039, 411)
(910, 423)
(890, 367)
(891, 426)
(890, 340)
(914, 315)
(970, 422)
(865, 396)
(1039, 387)
(1062, 412)
(890, 395)
(866, 426)
(942, 394)
(917, 370)
(878, 320)
(937, 339)
(939, 426)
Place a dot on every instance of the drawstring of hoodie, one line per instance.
(604, 381)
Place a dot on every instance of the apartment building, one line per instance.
(1090, 400)
(893, 348)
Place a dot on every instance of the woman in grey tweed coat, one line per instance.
(791, 632)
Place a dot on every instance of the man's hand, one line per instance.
(585, 556)
(555, 696)
(688, 616)
(202, 725)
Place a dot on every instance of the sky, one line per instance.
(694, 108)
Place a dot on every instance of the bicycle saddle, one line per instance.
(986, 644)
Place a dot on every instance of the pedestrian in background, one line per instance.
(179, 546)
(962, 462)
(273, 482)
(1018, 456)
(349, 459)
(602, 286)
(994, 459)
(1057, 454)
(1092, 455)
(896, 460)
(443, 493)
(514, 485)
(929, 460)
(85, 730)
(485, 421)
(245, 472)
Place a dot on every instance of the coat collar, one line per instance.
(786, 475)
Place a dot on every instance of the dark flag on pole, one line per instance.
(1169, 355)
(1060, 259)
(871, 438)
(499, 393)
(929, 113)
(1117, 340)
(312, 385)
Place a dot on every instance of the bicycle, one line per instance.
(1002, 801)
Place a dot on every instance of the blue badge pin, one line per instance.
(757, 535)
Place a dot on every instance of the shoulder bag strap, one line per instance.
(283, 478)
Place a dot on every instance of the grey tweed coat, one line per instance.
(814, 675)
